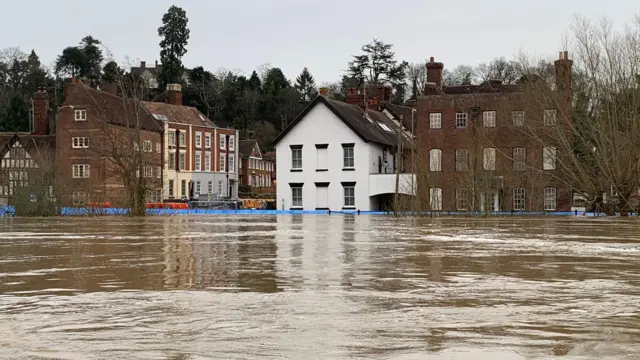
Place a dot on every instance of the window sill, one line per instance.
(348, 208)
(296, 170)
(325, 208)
(348, 169)
(322, 170)
(296, 208)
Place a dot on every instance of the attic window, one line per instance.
(202, 117)
(160, 117)
(385, 127)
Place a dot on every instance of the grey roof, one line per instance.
(374, 126)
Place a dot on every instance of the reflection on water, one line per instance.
(319, 287)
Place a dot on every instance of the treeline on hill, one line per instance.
(259, 104)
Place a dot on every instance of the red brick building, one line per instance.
(98, 135)
(490, 147)
(257, 170)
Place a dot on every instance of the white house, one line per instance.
(334, 156)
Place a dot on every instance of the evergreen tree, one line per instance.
(306, 85)
(112, 73)
(15, 116)
(377, 65)
(92, 58)
(254, 82)
(175, 37)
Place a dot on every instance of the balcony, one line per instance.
(386, 184)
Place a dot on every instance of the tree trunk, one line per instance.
(624, 204)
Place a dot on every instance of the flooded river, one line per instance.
(319, 287)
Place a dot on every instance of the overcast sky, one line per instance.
(319, 34)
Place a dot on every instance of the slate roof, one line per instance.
(178, 114)
(113, 109)
(371, 127)
(155, 71)
(246, 147)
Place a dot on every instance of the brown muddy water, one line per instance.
(319, 287)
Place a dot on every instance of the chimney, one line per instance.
(41, 112)
(563, 74)
(110, 88)
(324, 91)
(434, 72)
(174, 94)
(143, 64)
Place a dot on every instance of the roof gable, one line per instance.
(372, 126)
(178, 114)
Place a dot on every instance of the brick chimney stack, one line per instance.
(324, 91)
(41, 112)
(143, 64)
(174, 94)
(564, 76)
(434, 72)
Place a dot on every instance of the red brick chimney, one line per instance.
(324, 91)
(563, 73)
(174, 94)
(434, 72)
(110, 88)
(40, 112)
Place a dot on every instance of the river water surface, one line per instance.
(319, 287)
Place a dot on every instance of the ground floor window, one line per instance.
(170, 190)
(198, 185)
(296, 196)
(550, 199)
(462, 199)
(210, 187)
(435, 199)
(79, 198)
(220, 187)
(183, 188)
(518, 199)
(349, 195)
(489, 201)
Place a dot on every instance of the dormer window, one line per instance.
(80, 115)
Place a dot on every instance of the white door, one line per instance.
(322, 197)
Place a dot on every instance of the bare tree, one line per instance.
(461, 75)
(597, 137)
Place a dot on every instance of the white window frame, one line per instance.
(296, 160)
(171, 189)
(489, 119)
(348, 157)
(80, 171)
(349, 196)
(198, 161)
(489, 159)
(296, 196)
(517, 117)
(550, 117)
(220, 187)
(207, 161)
(198, 188)
(223, 142)
(232, 142)
(209, 187)
(184, 190)
(519, 159)
(435, 160)
(207, 140)
(198, 140)
(232, 163)
(171, 161)
(435, 199)
(549, 158)
(158, 147)
(462, 120)
(182, 161)
(519, 197)
(462, 165)
(79, 198)
(148, 171)
(80, 115)
(462, 199)
(550, 196)
(80, 142)
(435, 121)
(159, 172)
(171, 137)
(147, 146)
(182, 138)
(223, 163)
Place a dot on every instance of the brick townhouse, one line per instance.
(96, 131)
(257, 170)
(490, 147)
(201, 157)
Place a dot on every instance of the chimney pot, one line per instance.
(566, 55)
(324, 91)
(560, 55)
(431, 59)
(143, 64)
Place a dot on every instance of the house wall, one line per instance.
(321, 126)
(503, 137)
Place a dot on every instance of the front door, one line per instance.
(490, 201)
